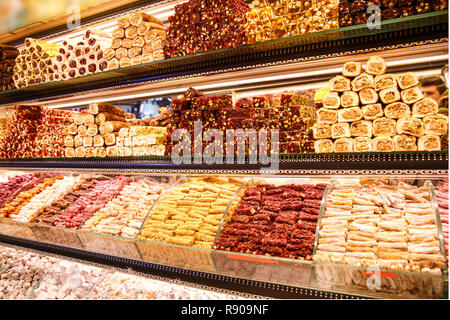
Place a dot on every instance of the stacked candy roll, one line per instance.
(190, 214)
(34, 64)
(141, 141)
(270, 19)
(124, 215)
(204, 25)
(13, 185)
(83, 57)
(8, 54)
(86, 205)
(368, 110)
(137, 39)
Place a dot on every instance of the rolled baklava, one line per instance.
(425, 107)
(372, 111)
(385, 81)
(384, 127)
(411, 126)
(327, 116)
(376, 66)
(389, 95)
(412, 95)
(404, 142)
(343, 145)
(407, 80)
(362, 144)
(361, 128)
(331, 100)
(368, 96)
(436, 124)
(397, 110)
(383, 144)
(323, 146)
(340, 84)
(321, 131)
(349, 99)
(350, 114)
(362, 81)
(340, 130)
(429, 143)
(352, 69)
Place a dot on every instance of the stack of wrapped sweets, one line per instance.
(443, 109)
(377, 224)
(353, 12)
(34, 64)
(87, 204)
(161, 120)
(81, 58)
(368, 110)
(12, 209)
(37, 205)
(94, 131)
(140, 141)
(81, 186)
(8, 55)
(441, 190)
(123, 216)
(191, 213)
(275, 221)
(273, 19)
(35, 132)
(137, 39)
(205, 25)
(10, 188)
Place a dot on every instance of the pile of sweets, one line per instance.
(34, 64)
(291, 113)
(82, 57)
(369, 110)
(274, 220)
(35, 132)
(13, 208)
(442, 198)
(443, 109)
(141, 141)
(15, 184)
(137, 39)
(353, 12)
(86, 205)
(4, 128)
(83, 185)
(21, 272)
(8, 55)
(273, 19)
(190, 214)
(376, 224)
(205, 25)
(123, 216)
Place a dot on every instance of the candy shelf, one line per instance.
(395, 32)
(407, 162)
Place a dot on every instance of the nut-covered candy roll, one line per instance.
(405, 142)
(350, 114)
(410, 126)
(343, 145)
(407, 80)
(362, 81)
(361, 129)
(368, 96)
(375, 66)
(385, 81)
(425, 107)
(323, 146)
(383, 144)
(340, 130)
(384, 127)
(349, 99)
(321, 131)
(429, 143)
(362, 144)
(339, 84)
(372, 111)
(327, 116)
(331, 100)
(389, 95)
(352, 69)
(412, 95)
(436, 124)
(397, 110)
